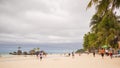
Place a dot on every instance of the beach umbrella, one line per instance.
(105, 46)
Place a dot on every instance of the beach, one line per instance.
(59, 61)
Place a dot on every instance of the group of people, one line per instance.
(73, 54)
(102, 52)
(108, 52)
(40, 54)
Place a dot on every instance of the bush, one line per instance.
(19, 52)
(80, 51)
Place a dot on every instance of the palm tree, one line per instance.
(19, 48)
(94, 23)
(38, 49)
(104, 24)
(19, 52)
(32, 52)
(104, 4)
(35, 49)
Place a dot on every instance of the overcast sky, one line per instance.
(44, 21)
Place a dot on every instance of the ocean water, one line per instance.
(51, 48)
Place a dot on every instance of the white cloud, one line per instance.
(44, 21)
(37, 15)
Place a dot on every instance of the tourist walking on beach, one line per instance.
(37, 54)
(106, 52)
(73, 54)
(102, 51)
(94, 53)
(79, 54)
(110, 53)
(69, 54)
(41, 55)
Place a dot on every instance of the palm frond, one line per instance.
(103, 6)
(95, 20)
(89, 4)
(117, 3)
(95, 1)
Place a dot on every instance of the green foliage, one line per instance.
(86, 42)
(80, 51)
(32, 52)
(92, 2)
(25, 53)
(102, 6)
(19, 52)
(90, 40)
(117, 3)
(105, 25)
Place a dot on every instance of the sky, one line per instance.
(44, 21)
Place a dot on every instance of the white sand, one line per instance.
(59, 61)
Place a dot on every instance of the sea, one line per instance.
(50, 48)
